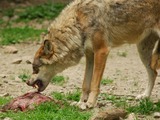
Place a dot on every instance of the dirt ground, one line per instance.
(128, 73)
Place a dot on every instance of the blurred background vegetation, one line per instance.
(25, 20)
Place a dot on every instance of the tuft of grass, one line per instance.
(4, 100)
(73, 96)
(49, 111)
(58, 80)
(24, 76)
(58, 96)
(157, 106)
(106, 81)
(17, 35)
(145, 107)
(122, 54)
(8, 12)
(1, 21)
(117, 101)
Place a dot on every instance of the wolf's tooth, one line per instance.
(36, 86)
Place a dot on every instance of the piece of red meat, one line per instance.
(26, 101)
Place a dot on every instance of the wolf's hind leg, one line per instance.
(145, 49)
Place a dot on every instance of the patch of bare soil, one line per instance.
(128, 73)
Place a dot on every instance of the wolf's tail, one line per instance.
(155, 61)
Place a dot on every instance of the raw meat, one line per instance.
(26, 101)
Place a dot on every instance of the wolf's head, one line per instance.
(42, 70)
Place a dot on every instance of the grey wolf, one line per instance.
(92, 28)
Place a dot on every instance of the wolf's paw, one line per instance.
(90, 105)
(81, 105)
(85, 105)
(142, 96)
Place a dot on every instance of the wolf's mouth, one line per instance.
(38, 85)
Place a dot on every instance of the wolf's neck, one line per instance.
(68, 53)
(68, 50)
(68, 45)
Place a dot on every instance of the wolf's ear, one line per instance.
(48, 47)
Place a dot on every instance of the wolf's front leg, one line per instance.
(99, 65)
(94, 70)
(87, 78)
(91, 90)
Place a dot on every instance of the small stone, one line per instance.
(15, 17)
(7, 118)
(131, 116)
(5, 95)
(10, 50)
(28, 59)
(130, 98)
(17, 61)
(28, 62)
(3, 76)
(5, 81)
(17, 79)
(156, 115)
(5, 18)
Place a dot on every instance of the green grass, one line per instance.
(1, 21)
(63, 111)
(58, 80)
(8, 12)
(17, 35)
(117, 101)
(44, 11)
(73, 96)
(143, 107)
(4, 100)
(58, 96)
(122, 54)
(24, 76)
(106, 81)
(12, 35)
(49, 111)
